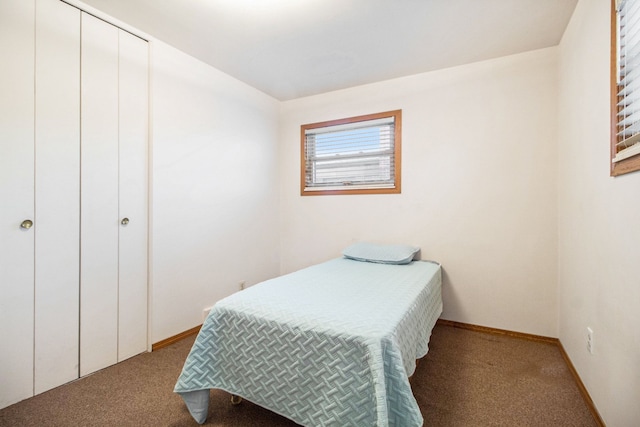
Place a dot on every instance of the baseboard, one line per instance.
(495, 331)
(531, 337)
(168, 341)
(583, 389)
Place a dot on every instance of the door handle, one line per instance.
(124, 221)
(26, 224)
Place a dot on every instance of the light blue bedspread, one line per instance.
(329, 345)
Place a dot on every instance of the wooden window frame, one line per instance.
(397, 114)
(632, 164)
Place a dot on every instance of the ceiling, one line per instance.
(294, 48)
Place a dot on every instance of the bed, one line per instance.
(330, 345)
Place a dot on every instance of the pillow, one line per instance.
(383, 254)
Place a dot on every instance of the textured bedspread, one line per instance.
(330, 345)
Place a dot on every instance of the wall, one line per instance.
(478, 186)
(598, 268)
(214, 196)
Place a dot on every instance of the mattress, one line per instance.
(330, 345)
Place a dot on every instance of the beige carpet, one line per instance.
(467, 379)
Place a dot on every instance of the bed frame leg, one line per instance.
(236, 400)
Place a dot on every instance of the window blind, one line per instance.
(357, 155)
(628, 115)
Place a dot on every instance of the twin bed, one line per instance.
(330, 345)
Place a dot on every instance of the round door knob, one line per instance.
(124, 221)
(26, 224)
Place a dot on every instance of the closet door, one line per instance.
(57, 196)
(113, 280)
(99, 196)
(16, 195)
(133, 137)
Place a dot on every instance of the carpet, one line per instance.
(469, 378)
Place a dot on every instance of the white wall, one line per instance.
(478, 186)
(599, 232)
(215, 189)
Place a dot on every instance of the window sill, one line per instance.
(351, 191)
(632, 164)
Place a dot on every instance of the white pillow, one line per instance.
(383, 254)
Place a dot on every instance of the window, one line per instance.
(625, 86)
(358, 155)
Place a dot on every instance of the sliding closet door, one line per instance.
(99, 196)
(16, 196)
(57, 185)
(133, 129)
